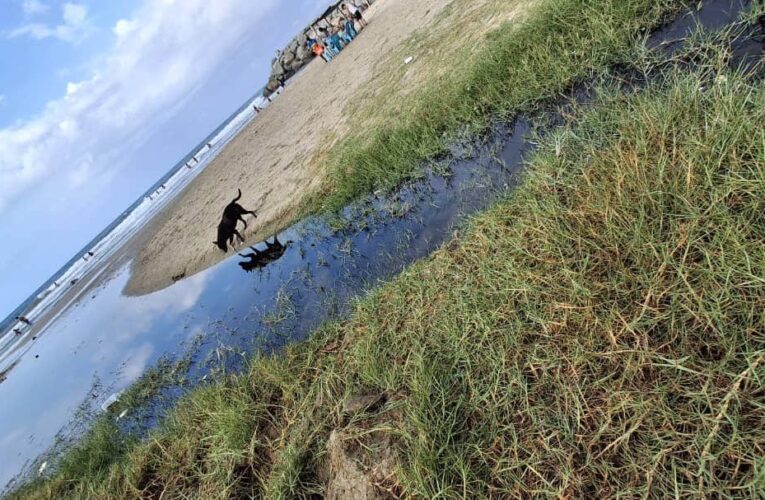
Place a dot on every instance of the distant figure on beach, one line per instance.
(354, 13)
(18, 332)
(333, 40)
(261, 258)
(316, 46)
(24, 320)
(349, 31)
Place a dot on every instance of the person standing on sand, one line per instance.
(348, 33)
(354, 13)
(318, 50)
(326, 40)
(317, 47)
(334, 40)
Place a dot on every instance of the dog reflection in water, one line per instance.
(259, 259)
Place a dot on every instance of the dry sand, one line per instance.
(274, 160)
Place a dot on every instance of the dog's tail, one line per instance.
(237, 196)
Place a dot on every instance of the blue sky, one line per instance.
(99, 99)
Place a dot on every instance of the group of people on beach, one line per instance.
(328, 42)
(24, 320)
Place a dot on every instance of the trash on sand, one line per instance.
(122, 415)
(408, 60)
(42, 468)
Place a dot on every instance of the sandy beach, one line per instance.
(274, 160)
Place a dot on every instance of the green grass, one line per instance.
(599, 333)
(518, 67)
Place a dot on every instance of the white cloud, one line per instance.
(75, 14)
(161, 55)
(80, 174)
(72, 87)
(75, 25)
(33, 7)
(123, 27)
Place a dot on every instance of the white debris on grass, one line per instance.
(111, 400)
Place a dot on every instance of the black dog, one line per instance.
(227, 228)
(261, 258)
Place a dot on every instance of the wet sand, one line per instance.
(274, 160)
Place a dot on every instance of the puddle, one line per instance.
(711, 16)
(747, 46)
(103, 341)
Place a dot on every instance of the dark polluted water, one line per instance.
(102, 341)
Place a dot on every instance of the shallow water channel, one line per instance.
(103, 341)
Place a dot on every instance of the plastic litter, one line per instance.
(111, 400)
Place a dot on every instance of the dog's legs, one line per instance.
(238, 235)
(243, 221)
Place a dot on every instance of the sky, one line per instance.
(99, 99)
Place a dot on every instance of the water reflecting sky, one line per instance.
(104, 340)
